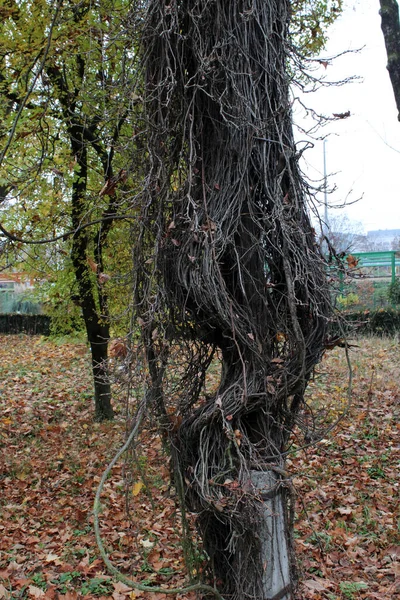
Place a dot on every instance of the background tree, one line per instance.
(391, 32)
(64, 142)
(344, 234)
(227, 263)
(310, 22)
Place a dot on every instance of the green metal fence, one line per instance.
(364, 280)
(379, 264)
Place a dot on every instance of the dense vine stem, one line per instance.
(235, 266)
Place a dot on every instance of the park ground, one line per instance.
(53, 455)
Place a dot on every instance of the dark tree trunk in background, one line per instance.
(97, 329)
(236, 268)
(98, 338)
(391, 33)
(85, 134)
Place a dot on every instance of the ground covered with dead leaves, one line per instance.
(53, 455)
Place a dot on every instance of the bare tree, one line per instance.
(227, 264)
(344, 234)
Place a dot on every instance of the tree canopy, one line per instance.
(68, 128)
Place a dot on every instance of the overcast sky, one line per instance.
(363, 151)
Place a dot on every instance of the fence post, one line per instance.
(341, 280)
(393, 266)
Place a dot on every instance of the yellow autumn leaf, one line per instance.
(137, 487)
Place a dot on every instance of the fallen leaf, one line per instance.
(137, 487)
(122, 588)
(36, 592)
(345, 511)
(53, 558)
(4, 593)
(316, 584)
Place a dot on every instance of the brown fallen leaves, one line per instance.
(348, 527)
(51, 461)
(53, 455)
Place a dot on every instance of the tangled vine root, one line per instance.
(226, 261)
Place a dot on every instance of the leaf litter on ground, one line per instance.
(53, 456)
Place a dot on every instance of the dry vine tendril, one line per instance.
(96, 510)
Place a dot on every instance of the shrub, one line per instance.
(385, 321)
(29, 324)
(393, 292)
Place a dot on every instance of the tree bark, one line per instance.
(391, 32)
(273, 531)
(102, 389)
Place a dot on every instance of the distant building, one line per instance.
(377, 240)
(382, 239)
(16, 282)
(13, 289)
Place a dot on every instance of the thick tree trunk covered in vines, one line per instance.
(391, 33)
(226, 262)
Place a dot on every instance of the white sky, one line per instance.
(357, 155)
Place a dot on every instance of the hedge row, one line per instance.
(29, 324)
(378, 322)
(385, 321)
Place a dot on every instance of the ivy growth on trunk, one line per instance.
(227, 264)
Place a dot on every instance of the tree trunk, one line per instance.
(236, 267)
(242, 494)
(97, 327)
(98, 332)
(102, 389)
(391, 32)
(273, 530)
